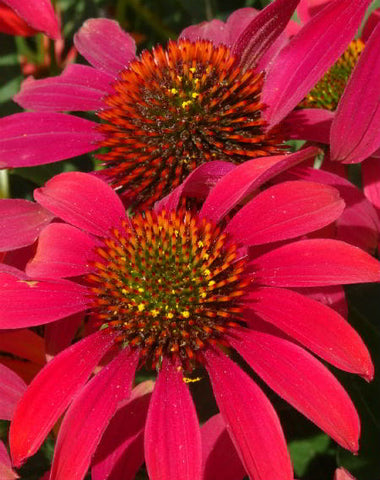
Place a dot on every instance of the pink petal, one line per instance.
(62, 251)
(250, 419)
(6, 472)
(342, 474)
(371, 181)
(105, 45)
(332, 297)
(51, 392)
(39, 15)
(308, 55)
(197, 184)
(216, 31)
(311, 124)
(356, 126)
(319, 262)
(315, 326)
(370, 25)
(284, 211)
(89, 415)
(24, 344)
(174, 452)
(262, 31)
(11, 389)
(59, 334)
(303, 382)
(359, 224)
(238, 21)
(25, 303)
(82, 200)
(34, 138)
(20, 223)
(220, 459)
(308, 8)
(245, 179)
(79, 87)
(121, 450)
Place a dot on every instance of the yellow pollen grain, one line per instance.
(192, 69)
(207, 272)
(186, 103)
(141, 307)
(195, 94)
(173, 291)
(200, 243)
(203, 294)
(174, 91)
(205, 256)
(141, 290)
(123, 290)
(191, 380)
(154, 312)
(170, 315)
(185, 314)
(211, 283)
(179, 78)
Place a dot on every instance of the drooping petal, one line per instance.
(308, 55)
(83, 200)
(51, 392)
(24, 344)
(105, 45)
(314, 325)
(284, 211)
(315, 262)
(25, 303)
(121, 450)
(250, 420)
(89, 415)
(79, 87)
(34, 138)
(245, 179)
(220, 459)
(198, 184)
(371, 181)
(6, 472)
(372, 21)
(62, 251)
(175, 452)
(216, 31)
(21, 222)
(12, 24)
(312, 124)
(342, 474)
(262, 31)
(59, 334)
(355, 131)
(303, 382)
(39, 15)
(11, 389)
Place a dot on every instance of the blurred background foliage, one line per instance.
(315, 456)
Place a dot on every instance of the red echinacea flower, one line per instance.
(176, 288)
(25, 17)
(204, 97)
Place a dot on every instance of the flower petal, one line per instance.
(11, 389)
(34, 138)
(25, 303)
(6, 472)
(216, 31)
(24, 344)
(89, 415)
(220, 459)
(21, 222)
(311, 124)
(105, 45)
(371, 181)
(262, 31)
(39, 15)
(121, 450)
(62, 251)
(342, 474)
(48, 396)
(250, 419)
(59, 334)
(303, 382)
(83, 200)
(355, 131)
(315, 326)
(316, 262)
(308, 55)
(79, 87)
(173, 452)
(245, 179)
(284, 211)
(372, 21)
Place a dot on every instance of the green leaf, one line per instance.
(304, 451)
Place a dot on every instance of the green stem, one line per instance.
(4, 184)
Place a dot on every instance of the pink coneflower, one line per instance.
(176, 288)
(23, 17)
(167, 111)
